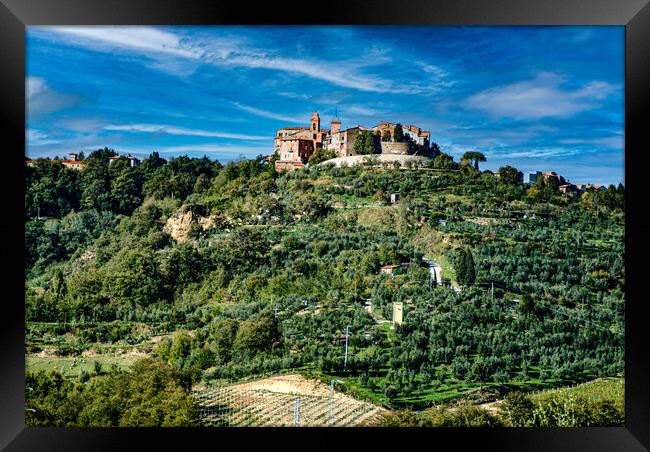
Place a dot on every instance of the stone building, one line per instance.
(294, 145)
(342, 141)
(71, 162)
(133, 161)
(414, 134)
(548, 175)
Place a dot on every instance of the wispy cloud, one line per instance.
(145, 39)
(542, 97)
(42, 99)
(560, 152)
(338, 74)
(172, 130)
(232, 52)
(39, 138)
(272, 115)
(614, 142)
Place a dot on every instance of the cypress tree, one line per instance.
(398, 133)
(461, 266)
(470, 270)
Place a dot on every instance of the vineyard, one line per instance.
(281, 401)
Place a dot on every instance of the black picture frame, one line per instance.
(15, 15)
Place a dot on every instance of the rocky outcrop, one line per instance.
(180, 224)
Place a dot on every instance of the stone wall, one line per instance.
(388, 147)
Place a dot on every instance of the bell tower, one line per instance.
(336, 125)
(315, 122)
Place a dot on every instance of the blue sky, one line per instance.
(537, 98)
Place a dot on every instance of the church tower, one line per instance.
(336, 125)
(315, 122)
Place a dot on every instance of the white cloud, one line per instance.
(171, 130)
(538, 98)
(291, 95)
(147, 39)
(614, 142)
(37, 138)
(41, 98)
(339, 74)
(34, 85)
(230, 52)
(542, 153)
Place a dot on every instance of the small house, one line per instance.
(389, 269)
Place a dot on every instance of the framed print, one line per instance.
(381, 224)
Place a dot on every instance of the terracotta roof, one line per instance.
(294, 128)
(65, 162)
(390, 266)
(292, 138)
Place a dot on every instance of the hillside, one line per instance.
(227, 272)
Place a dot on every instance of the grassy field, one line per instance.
(72, 366)
(448, 392)
(600, 389)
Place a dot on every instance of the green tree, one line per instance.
(444, 161)
(95, 183)
(526, 304)
(222, 338)
(474, 157)
(470, 275)
(180, 348)
(509, 175)
(126, 190)
(245, 250)
(480, 371)
(321, 155)
(398, 133)
(150, 394)
(516, 410)
(58, 286)
(465, 267)
(256, 335)
(366, 143)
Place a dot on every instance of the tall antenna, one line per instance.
(347, 334)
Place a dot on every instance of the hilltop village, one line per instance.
(294, 145)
